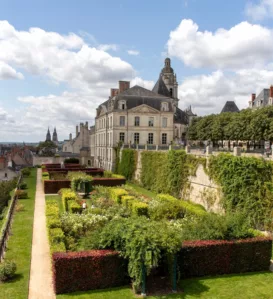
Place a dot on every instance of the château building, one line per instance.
(265, 98)
(138, 116)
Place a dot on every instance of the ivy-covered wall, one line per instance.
(127, 164)
(167, 172)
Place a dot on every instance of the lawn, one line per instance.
(250, 286)
(19, 245)
(142, 190)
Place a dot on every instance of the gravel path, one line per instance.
(40, 284)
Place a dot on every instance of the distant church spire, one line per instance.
(55, 136)
(48, 135)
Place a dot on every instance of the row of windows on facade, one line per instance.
(102, 123)
(122, 106)
(150, 138)
(105, 154)
(137, 121)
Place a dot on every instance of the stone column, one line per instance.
(156, 147)
(170, 147)
(237, 151)
(208, 150)
(187, 149)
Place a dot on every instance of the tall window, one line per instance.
(171, 92)
(164, 122)
(150, 138)
(121, 136)
(137, 121)
(164, 138)
(122, 121)
(136, 138)
(151, 121)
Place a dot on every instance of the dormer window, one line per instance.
(164, 106)
(122, 105)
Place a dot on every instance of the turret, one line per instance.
(48, 135)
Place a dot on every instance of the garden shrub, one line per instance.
(74, 207)
(26, 172)
(139, 208)
(117, 193)
(68, 196)
(56, 235)
(21, 194)
(88, 270)
(127, 201)
(7, 270)
(52, 222)
(23, 186)
(58, 247)
(44, 174)
(77, 178)
(127, 164)
(107, 174)
(52, 208)
(202, 258)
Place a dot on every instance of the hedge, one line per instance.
(189, 207)
(140, 208)
(117, 193)
(201, 258)
(127, 200)
(88, 270)
(68, 196)
(127, 164)
(74, 207)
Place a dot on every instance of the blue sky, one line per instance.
(220, 50)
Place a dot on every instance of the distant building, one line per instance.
(230, 106)
(55, 136)
(48, 135)
(265, 98)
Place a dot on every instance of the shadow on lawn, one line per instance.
(16, 278)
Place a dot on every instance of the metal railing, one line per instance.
(6, 227)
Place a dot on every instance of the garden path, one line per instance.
(40, 284)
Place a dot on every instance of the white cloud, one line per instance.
(243, 46)
(107, 47)
(133, 52)
(143, 83)
(262, 10)
(7, 72)
(208, 93)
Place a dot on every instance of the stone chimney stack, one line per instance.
(70, 136)
(77, 130)
(86, 124)
(123, 85)
(271, 91)
(113, 92)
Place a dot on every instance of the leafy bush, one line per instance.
(23, 186)
(19, 207)
(58, 247)
(139, 209)
(127, 165)
(52, 208)
(52, 222)
(107, 174)
(127, 201)
(21, 194)
(5, 188)
(7, 270)
(45, 174)
(68, 195)
(56, 235)
(74, 207)
(26, 172)
(77, 178)
(117, 193)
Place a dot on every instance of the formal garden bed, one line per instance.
(129, 236)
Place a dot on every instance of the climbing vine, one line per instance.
(168, 172)
(127, 164)
(246, 184)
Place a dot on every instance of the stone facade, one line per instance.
(265, 98)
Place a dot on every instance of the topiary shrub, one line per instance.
(117, 193)
(127, 201)
(7, 270)
(139, 209)
(23, 186)
(68, 196)
(56, 235)
(74, 207)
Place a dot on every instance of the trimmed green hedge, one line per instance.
(117, 193)
(140, 208)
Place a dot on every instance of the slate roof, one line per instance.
(263, 96)
(180, 117)
(230, 106)
(161, 88)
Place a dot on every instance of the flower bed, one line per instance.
(88, 270)
(201, 258)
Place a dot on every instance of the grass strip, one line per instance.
(19, 244)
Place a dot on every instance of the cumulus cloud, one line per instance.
(208, 93)
(133, 52)
(7, 72)
(259, 11)
(107, 47)
(243, 46)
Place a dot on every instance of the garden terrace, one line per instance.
(148, 233)
(93, 171)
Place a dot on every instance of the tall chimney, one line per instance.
(70, 136)
(113, 92)
(86, 124)
(123, 85)
(271, 92)
(77, 130)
